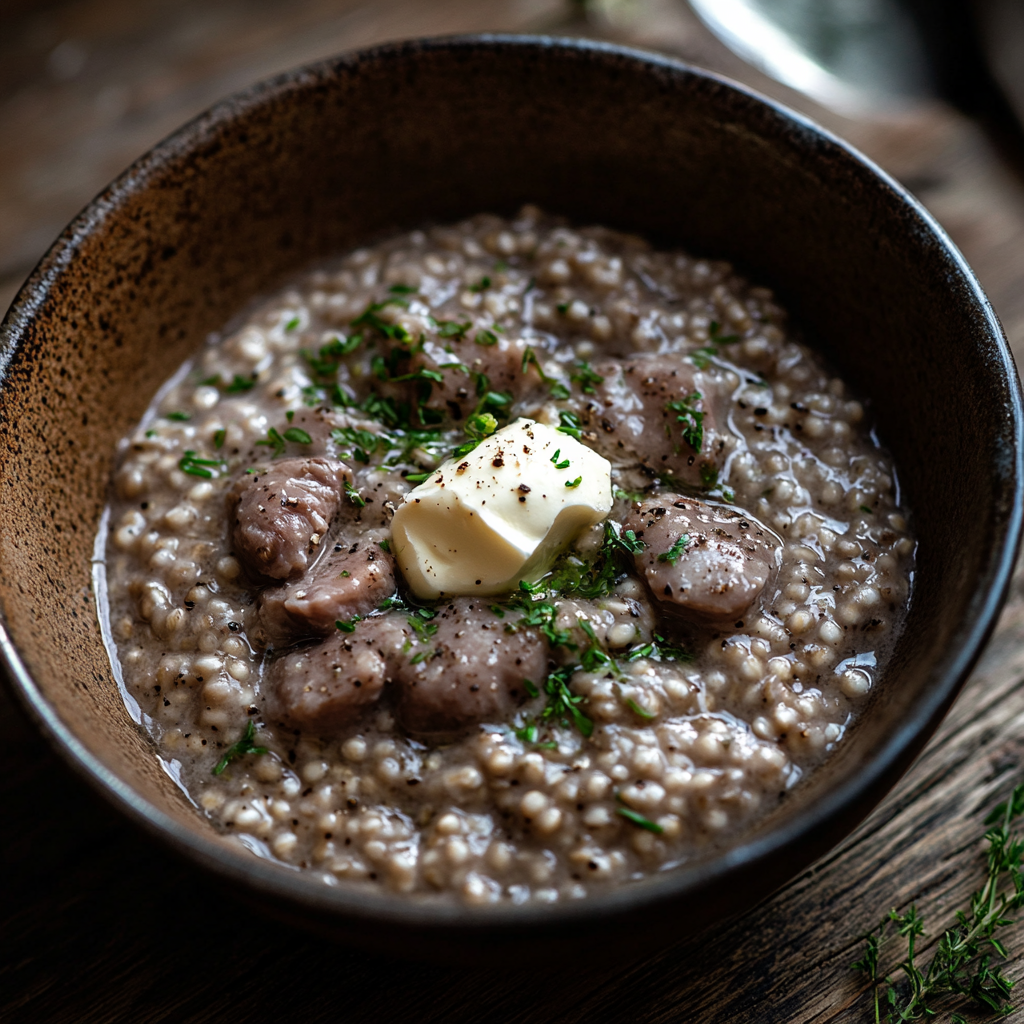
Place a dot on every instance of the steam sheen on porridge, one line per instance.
(505, 561)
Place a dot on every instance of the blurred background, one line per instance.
(932, 89)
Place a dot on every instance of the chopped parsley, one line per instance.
(190, 463)
(675, 552)
(292, 324)
(574, 483)
(638, 819)
(402, 289)
(452, 328)
(478, 426)
(569, 423)
(420, 656)
(659, 649)
(486, 338)
(691, 418)
(274, 440)
(245, 745)
(421, 625)
(354, 496)
(481, 285)
(238, 385)
(563, 704)
(180, 417)
(864, 508)
(586, 378)
(348, 625)
(564, 464)
(297, 436)
(637, 710)
(384, 545)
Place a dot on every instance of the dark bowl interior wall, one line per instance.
(333, 157)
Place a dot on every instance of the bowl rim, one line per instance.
(270, 878)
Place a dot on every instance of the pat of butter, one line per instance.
(500, 514)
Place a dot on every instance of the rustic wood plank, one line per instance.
(98, 923)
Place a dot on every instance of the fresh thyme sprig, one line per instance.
(963, 961)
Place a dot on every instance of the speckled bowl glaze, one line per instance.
(330, 156)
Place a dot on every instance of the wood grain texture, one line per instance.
(97, 923)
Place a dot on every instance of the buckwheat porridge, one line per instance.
(503, 561)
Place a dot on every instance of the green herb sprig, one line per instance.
(245, 745)
(963, 961)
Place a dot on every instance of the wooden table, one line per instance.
(99, 924)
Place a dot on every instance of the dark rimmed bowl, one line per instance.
(329, 156)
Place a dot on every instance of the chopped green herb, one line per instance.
(344, 573)
(354, 496)
(384, 545)
(369, 318)
(708, 476)
(586, 378)
(210, 381)
(452, 328)
(564, 464)
(701, 357)
(484, 282)
(418, 478)
(244, 746)
(594, 658)
(569, 423)
(563, 704)
(530, 356)
(864, 508)
(531, 690)
(622, 495)
(574, 483)
(190, 463)
(527, 733)
(637, 710)
(691, 418)
(639, 820)
(274, 440)
(152, 433)
(348, 625)
(486, 338)
(500, 267)
(292, 324)
(660, 649)
(717, 338)
(421, 656)
(563, 308)
(180, 417)
(402, 289)
(218, 438)
(297, 436)
(238, 385)
(421, 624)
(290, 415)
(675, 552)
(559, 391)
(478, 426)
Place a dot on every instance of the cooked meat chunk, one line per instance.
(473, 673)
(661, 412)
(282, 516)
(327, 686)
(710, 561)
(349, 580)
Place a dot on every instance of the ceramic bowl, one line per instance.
(331, 156)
